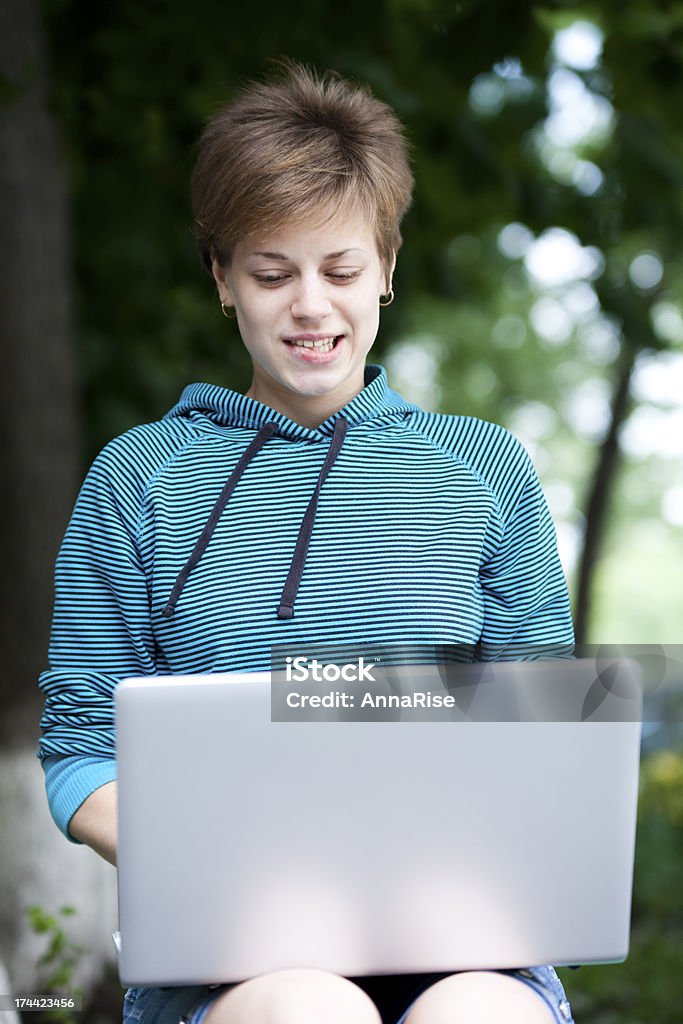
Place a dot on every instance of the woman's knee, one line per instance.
(294, 997)
(480, 997)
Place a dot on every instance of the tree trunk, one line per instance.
(599, 494)
(39, 469)
(39, 423)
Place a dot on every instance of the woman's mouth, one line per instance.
(312, 347)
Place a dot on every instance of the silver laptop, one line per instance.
(497, 831)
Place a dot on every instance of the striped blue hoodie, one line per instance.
(200, 540)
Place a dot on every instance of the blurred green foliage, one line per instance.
(648, 987)
(58, 962)
(132, 84)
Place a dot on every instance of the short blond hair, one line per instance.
(293, 149)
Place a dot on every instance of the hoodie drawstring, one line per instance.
(296, 569)
(291, 587)
(266, 432)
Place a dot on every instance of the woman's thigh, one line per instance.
(531, 994)
(296, 996)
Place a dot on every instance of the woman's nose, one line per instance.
(311, 301)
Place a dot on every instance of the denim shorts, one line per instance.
(394, 996)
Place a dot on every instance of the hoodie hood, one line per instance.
(376, 403)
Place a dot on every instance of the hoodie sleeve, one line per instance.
(101, 632)
(527, 611)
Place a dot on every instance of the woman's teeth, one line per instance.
(321, 345)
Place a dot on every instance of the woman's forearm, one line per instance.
(94, 823)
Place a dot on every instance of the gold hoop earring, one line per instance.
(230, 316)
(390, 298)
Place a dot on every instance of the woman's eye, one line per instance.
(275, 278)
(270, 278)
(348, 275)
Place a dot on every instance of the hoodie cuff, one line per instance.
(69, 781)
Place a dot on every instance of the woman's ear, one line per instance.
(390, 273)
(220, 276)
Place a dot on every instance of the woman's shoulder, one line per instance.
(490, 450)
(134, 457)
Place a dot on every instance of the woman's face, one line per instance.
(307, 306)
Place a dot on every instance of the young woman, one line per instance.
(318, 507)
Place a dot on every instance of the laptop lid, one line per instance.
(366, 847)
